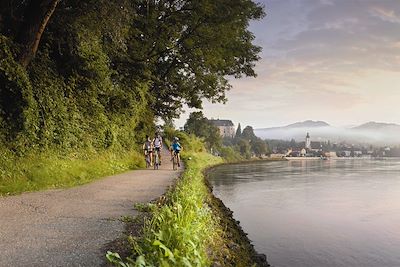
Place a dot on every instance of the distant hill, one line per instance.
(370, 132)
(308, 123)
(376, 126)
(303, 124)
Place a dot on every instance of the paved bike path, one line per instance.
(70, 227)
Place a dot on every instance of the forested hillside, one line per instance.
(96, 73)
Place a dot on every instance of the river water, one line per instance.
(317, 213)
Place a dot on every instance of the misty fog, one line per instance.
(387, 136)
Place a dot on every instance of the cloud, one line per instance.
(321, 59)
(385, 14)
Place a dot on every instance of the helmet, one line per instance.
(176, 138)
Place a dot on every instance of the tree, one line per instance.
(244, 148)
(103, 70)
(248, 134)
(259, 147)
(188, 47)
(37, 15)
(238, 132)
(200, 126)
(197, 124)
(25, 22)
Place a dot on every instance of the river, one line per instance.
(317, 213)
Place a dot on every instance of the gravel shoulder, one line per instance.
(71, 227)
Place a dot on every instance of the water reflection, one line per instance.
(317, 213)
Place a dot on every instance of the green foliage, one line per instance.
(259, 147)
(244, 148)
(248, 143)
(230, 154)
(51, 169)
(105, 70)
(189, 142)
(238, 132)
(72, 96)
(182, 232)
(248, 134)
(189, 47)
(17, 108)
(200, 126)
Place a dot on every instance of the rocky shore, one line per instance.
(240, 249)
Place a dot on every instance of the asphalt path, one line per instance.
(70, 227)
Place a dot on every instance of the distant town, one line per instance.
(222, 137)
(327, 149)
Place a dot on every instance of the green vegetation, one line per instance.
(249, 143)
(79, 79)
(52, 170)
(180, 232)
(83, 81)
(243, 146)
(200, 126)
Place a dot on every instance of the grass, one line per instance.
(38, 171)
(184, 231)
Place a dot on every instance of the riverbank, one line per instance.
(236, 240)
(190, 226)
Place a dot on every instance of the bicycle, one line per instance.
(156, 160)
(175, 161)
(148, 161)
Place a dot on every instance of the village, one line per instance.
(326, 149)
(310, 149)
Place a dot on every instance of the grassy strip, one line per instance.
(180, 232)
(51, 170)
(190, 229)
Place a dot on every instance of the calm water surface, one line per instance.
(317, 213)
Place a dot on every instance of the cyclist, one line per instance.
(158, 143)
(176, 148)
(148, 150)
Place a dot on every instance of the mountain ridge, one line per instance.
(300, 124)
(311, 123)
(371, 125)
(370, 132)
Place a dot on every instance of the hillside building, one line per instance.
(226, 127)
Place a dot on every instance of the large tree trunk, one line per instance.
(36, 17)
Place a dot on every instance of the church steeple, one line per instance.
(308, 141)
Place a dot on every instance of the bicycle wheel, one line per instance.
(175, 162)
(156, 161)
(147, 161)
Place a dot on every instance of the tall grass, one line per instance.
(184, 231)
(50, 169)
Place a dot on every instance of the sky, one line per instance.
(332, 60)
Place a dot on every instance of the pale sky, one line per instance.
(331, 60)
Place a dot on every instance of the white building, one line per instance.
(308, 142)
(226, 127)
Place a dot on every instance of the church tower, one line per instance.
(308, 142)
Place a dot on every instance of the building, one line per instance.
(226, 127)
(308, 142)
